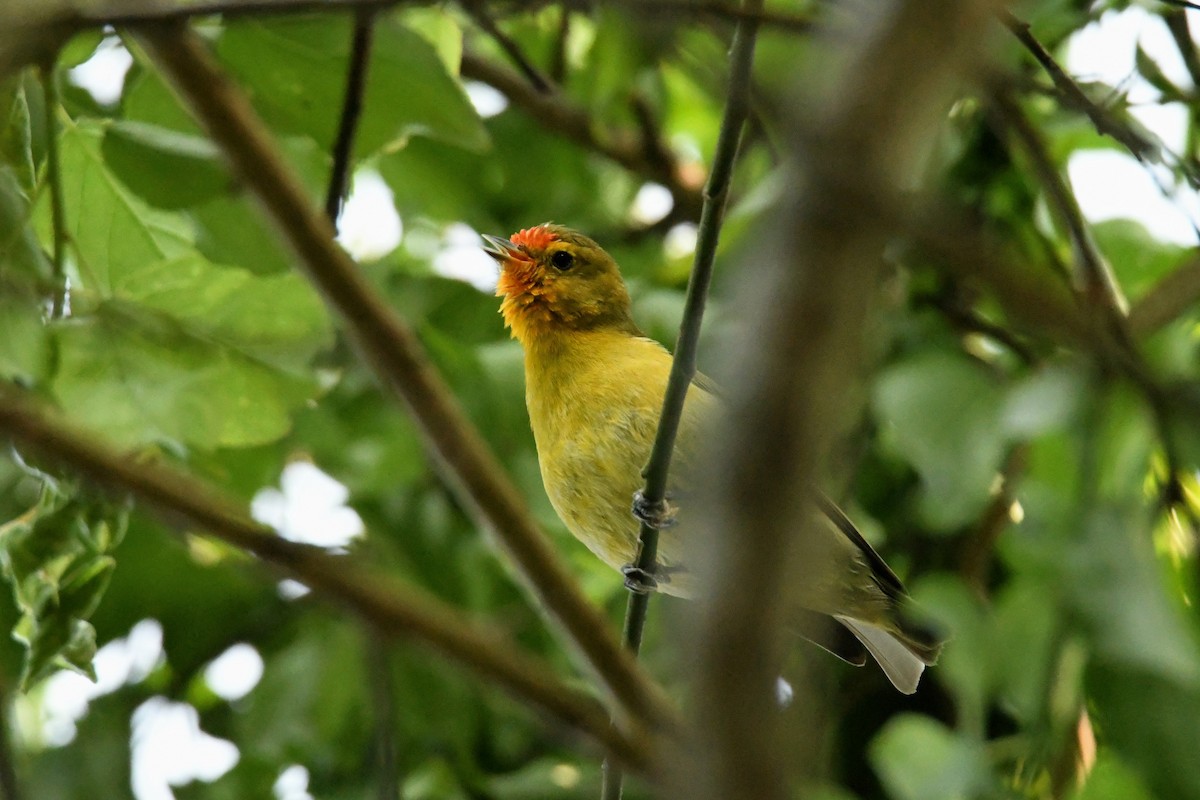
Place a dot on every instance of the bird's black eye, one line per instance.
(562, 260)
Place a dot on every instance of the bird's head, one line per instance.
(555, 280)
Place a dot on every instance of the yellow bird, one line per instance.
(594, 386)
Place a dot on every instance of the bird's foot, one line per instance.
(658, 516)
(638, 580)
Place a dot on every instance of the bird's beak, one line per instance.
(502, 249)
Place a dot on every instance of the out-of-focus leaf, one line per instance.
(1116, 587)
(294, 68)
(1153, 722)
(433, 780)
(942, 414)
(1046, 400)
(545, 779)
(1139, 261)
(1111, 779)
(57, 556)
(140, 154)
(917, 758)
(314, 692)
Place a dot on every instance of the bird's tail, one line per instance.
(903, 652)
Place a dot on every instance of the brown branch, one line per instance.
(386, 605)
(1166, 301)
(801, 356)
(391, 348)
(558, 113)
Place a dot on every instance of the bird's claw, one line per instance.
(638, 580)
(659, 516)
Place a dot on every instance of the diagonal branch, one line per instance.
(386, 605)
(1074, 97)
(537, 79)
(391, 348)
(1093, 275)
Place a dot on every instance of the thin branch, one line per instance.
(558, 57)
(1093, 276)
(557, 112)
(1074, 97)
(1166, 301)
(356, 85)
(716, 9)
(978, 552)
(383, 603)
(965, 319)
(683, 366)
(135, 12)
(391, 348)
(1180, 28)
(537, 79)
(58, 213)
(799, 357)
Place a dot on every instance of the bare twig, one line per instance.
(356, 84)
(683, 366)
(58, 213)
(1093, 275)
(385, 604)
(979, 547)
(556, 112)
(537, 79)
(1180, 28)
(558, 57)
(794, 367)
(1074, 97)
(392, 349)
(132, 12)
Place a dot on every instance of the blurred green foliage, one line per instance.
(1016, 482)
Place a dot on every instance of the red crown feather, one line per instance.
(536, 238)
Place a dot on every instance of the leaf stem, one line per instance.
(683, 366)
(352, 105)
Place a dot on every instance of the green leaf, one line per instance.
(21, 257)
(917, 758)
(294, 68)
(141, 378)
(943, 415)
(1111, 779)
(164, 345)
(1117, 588)
(166, 168)
(1139, 260)
(112, 230)
(1153, 722)
(16, 147)
(56, 557)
